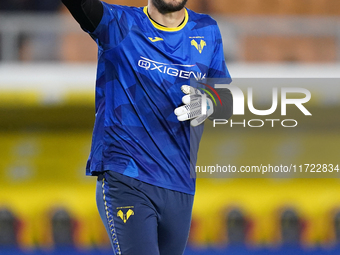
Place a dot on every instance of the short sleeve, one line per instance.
(218, 67)
(114, 26)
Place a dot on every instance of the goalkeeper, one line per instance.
(143, 146)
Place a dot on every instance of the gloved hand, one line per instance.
(197, 106)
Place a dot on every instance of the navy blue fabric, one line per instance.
(141, 69)
(157, 220)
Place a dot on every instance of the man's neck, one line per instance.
(171, 20)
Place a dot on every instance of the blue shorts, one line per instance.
(143, 219)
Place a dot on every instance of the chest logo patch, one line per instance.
(156, 39)
(200, 46)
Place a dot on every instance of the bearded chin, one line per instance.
(164, 7)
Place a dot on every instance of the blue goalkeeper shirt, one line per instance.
(141, 68)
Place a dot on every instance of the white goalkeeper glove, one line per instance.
(197, 106)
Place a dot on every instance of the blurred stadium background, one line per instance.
(47, 75)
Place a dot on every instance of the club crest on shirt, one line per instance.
(199, 46)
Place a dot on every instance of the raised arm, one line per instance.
(88, 13)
